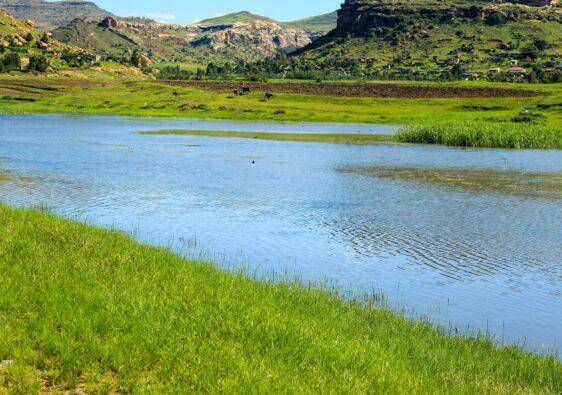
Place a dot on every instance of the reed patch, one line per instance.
(485, 135)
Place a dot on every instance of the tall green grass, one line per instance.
(91, 310)
(485, 135)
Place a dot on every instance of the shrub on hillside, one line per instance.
(38, 63)
(174, 73)
(11, 61)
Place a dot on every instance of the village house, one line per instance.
(516, 70)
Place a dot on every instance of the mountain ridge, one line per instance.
(50, 15)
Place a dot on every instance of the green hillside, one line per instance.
(91, 36)
(243, 16)
(433, 40)
(23, 47)
(321, 23)
(317, 24)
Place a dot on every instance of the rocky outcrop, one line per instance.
(49, 15)
(263, 38)
(359, 17)
(109, 23)
(249, 41)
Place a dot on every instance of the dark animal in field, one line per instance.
(246, 90)
(175, 93)
(236, 92)
(268, 96)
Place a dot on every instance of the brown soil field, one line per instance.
(364, 90)
(9, 92)
(47, 84)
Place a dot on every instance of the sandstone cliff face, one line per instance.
(260, 38)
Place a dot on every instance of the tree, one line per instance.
(457, 71)
(529, 52)
(541, 45)
(473, 12)
(12, 61)
(533, 77)
(136, 58)
(212, 70)
(38, 63)
(494, 19)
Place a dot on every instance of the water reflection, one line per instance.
(441, 236)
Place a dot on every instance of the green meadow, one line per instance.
(92, 311)
(101, 94)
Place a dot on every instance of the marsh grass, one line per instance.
(4, 176)
(506, 182)
(352, 139)
(485, 135)
(91, 310)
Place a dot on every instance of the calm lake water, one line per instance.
(468, 238)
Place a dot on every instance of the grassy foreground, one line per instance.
(353, 139)
(485, 135)
(91, 310)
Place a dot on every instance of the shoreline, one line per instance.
(276, 326)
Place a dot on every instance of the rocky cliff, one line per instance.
(358, 17)
(255, 38)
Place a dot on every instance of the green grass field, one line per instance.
(91, 310)
(123, 96)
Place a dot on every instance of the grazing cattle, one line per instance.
(175, 93)
(236, 92)
(268, 96)
(246, 89)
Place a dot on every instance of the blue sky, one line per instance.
(188, 11)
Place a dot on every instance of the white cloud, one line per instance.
(160, 16)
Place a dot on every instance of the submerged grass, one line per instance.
(485, 135)
(506, 182)
(91, 310)
(353, 139)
